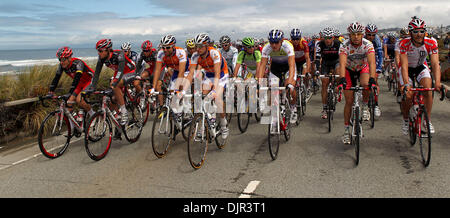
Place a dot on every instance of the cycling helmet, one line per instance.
(146, 45)
(355, 27)
(296, 33)
(168, 40)
(327, 32)
(64, 52)
(190, 43)
(276, 35)
(315, 36)
(202, 38)
(337, 33)
(391, 35)
(416, 23)
(103, 44)
(404, 31)
(371, 28)
(126, 46)
(248, 42)
(224, 39)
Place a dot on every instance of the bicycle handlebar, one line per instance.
(50, 96)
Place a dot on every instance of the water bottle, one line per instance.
(80, 115)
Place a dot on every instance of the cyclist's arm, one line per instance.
(404, 61)
(342, 65)
(385, 51)
(435, 69)
(76, 80)
(379, 57)
(261, 69)
(372, 64)
(397, 59)
(98, 70)
(157, 73)
(121, 67)
(140, 65)
(216, 75)
(291, 61)
(56, 79)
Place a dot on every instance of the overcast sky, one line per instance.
(80, 23)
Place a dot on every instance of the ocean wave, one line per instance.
(7, 66)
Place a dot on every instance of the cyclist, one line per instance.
(148, 55)
(174, 58)
(124, 72)
(81, 74)
(371, 35)
(190, 47)
(327, 56)
(413, 52)
(251, 56)
(229, 52)
(213, 63)
(132, 55)
(301, 50)
(283, 67)
(356, 61)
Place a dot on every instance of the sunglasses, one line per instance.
(200, 45)
(249, 47)
(295, 39)
(328, 37)
(63, 59)
(418, 31)
(370, 34)
(145, 50)
(272, 42)
(101, 50)
(224, 45)
(166, 47)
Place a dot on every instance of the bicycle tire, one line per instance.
(412, 131)
(161, 149)
(425, 147)
(357, 127)
(49, 149)
(135, 124)
(372, 109)
(97, 150)
(195, 162)
(274, 143)
(330, 109)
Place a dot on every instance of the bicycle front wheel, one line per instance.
(162, 133)
(356, 135)
(56, 127)
(198, 141)
(98, 126)
(134, 127)
(425, 137)
(372, 109)
(274, 140)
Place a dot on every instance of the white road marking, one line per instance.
(35, 155)
(250, 189)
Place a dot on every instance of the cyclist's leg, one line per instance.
(364, 81)
(325, 81)
(424, 78)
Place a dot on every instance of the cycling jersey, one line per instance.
(311, 46)
(117, 61)
(173, 61)
(417, 55)
(356, 56)
(281, 56)
(79, 71)
(329, 54)
(300, 50)
(213, 56)
(150, 60)
(249, 59)
(133, 56)
(378, 53)
(230, 55)
(391, 48)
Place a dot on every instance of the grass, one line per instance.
(33, 82)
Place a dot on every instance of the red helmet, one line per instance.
(416, 23)
(146, 45)
(355, 27)
(64, 52)
(103, 43)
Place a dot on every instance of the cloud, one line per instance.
(237, 18)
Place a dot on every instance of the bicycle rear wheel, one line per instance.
(412, 131)
(162, 133)
(330, 107)
(134, 127)
(59, 129)
(424, 137)
(198, 141)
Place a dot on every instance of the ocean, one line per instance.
(15, 61)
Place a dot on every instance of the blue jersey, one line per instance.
(378, 46)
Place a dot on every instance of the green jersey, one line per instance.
(249, 59)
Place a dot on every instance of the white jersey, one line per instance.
(230, 55)
(281, 56)
(356, 56)
(417, 55)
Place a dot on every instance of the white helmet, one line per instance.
(126, 46)
(355, 27)
(168, 40)
(202, 38)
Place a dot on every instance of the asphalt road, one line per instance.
(314, 163)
